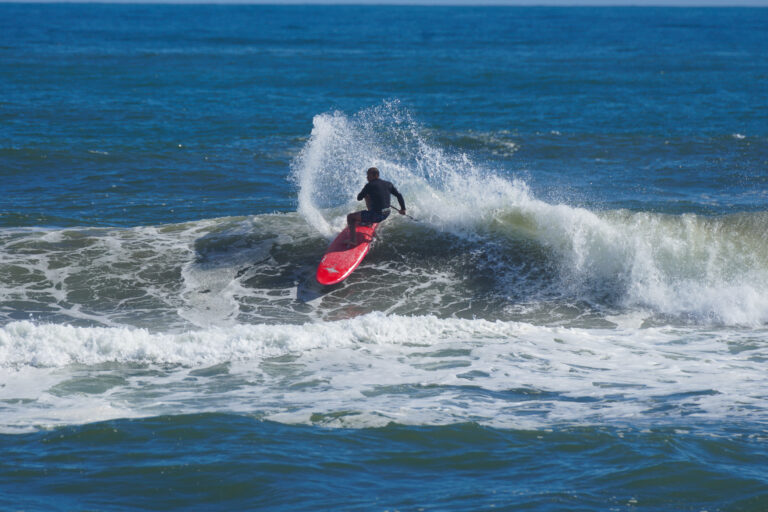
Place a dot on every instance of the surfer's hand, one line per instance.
(402, 212)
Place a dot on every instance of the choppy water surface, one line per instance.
(574, 318)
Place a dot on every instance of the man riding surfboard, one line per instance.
(376, 194)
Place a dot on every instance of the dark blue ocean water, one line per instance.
(218, 462)
(130, 115)
(576, 320)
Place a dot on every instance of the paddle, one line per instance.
(413, 219)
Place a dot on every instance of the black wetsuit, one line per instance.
(379, 191)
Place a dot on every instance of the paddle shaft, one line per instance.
(417, 220)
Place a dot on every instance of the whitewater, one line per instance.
(494, 306)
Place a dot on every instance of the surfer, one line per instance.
(376, 194)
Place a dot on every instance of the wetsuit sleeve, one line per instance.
(398, 195)
(363, 193)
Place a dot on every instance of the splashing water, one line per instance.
(684, 266)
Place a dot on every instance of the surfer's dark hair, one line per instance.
(374, 171)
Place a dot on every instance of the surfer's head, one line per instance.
(373, 173)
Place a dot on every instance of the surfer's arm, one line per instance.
(363, 193)
(399, 197)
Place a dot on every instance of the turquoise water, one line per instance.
(576, 319)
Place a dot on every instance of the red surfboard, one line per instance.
(340, 260)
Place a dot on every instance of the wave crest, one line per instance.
(689, 267)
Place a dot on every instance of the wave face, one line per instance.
(524, 261)
(491, 228)
(483, 246)
(491, 305)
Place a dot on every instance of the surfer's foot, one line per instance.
(351, 243)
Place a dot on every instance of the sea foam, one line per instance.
(378, 368)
